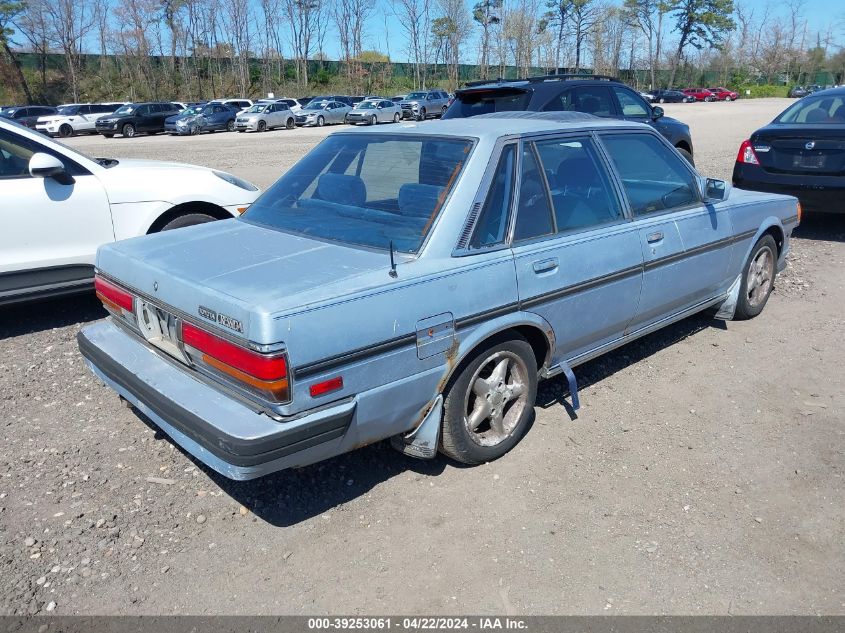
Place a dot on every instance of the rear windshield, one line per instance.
(815, 110)
(366, 189)
(475, 102)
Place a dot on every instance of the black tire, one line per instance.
(65, 130)
(128, 130)
(262, 126)
(108, 135)
(290, 124)
(421, 115)
(443, 111)
(457, 440)
(686, 155)
(230, 125)
(373, 120)
(748, 307)
(320, 121)
(189, 219)
(397, 117)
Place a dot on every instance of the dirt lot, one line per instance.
(703, 474)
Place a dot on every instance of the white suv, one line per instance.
(57, 206)
(74, 118)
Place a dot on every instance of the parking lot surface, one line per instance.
(702, 475)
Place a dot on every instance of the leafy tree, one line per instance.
(486, 13)
(699, 23)
(9, 10)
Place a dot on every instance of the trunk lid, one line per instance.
(247, 274)
(801, 149)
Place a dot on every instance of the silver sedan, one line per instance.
(265, 116)
(323, 113)
(374, 111)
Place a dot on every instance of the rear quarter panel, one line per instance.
(754, 214)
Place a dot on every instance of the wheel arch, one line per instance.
(185, 208)
(682, 144)
(533, 328)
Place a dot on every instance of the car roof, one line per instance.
(489, 126)
(830, 91)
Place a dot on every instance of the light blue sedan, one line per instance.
(415, 283)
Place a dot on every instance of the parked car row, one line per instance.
(564, 205)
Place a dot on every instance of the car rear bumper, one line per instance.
(225, 434)
(817, 194)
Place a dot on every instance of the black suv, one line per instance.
(594, 94)
(135, 118)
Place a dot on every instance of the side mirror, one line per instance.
(715, 190)
(656, 112)
(43, 165)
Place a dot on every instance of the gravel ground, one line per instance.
(703, 473)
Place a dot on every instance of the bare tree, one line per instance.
(487, 13)
(415, 20)
(303, 18)
(70, 23)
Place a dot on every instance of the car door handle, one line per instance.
(655, 237)
(545, 265)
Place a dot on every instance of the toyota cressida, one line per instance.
(415, 283)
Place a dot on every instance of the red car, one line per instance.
(699, 94)
(723, 94)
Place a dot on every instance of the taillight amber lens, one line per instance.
(265, 374)
(113, 296)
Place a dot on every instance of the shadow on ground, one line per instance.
(291, 496)
(36, 316)
(828, 227)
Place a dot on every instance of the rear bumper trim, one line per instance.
(238, 443)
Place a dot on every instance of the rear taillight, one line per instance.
(746, 154)
(799, 211)
(265, 374)
(113, 296)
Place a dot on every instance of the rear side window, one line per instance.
(533, 215)
(581, 192)
(475, 102)
(590, 99)
(654, 176)
(492, 224)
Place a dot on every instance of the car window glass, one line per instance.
(366, 189)
(655, 177)
(533, 215)
(492, 224)
(815, 110)
(21, 113)
(142, 111)
(14, 156)
(630, 104)
(581, 191)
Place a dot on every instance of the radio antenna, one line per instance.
(392, 272)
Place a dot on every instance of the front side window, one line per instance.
(581, 191)
(631, 105)
(14, 156)
(366, 190)
(654, 176)
(492, 225)
(533, 215)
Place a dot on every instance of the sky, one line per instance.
(385, 33)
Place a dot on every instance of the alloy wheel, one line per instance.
(496, 398)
